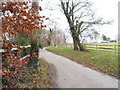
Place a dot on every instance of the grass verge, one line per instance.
(37, 78)
(101, 61)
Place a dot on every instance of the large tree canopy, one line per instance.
(81, 20)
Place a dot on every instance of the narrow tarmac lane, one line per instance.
(73, 75)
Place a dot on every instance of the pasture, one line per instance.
(102, 61)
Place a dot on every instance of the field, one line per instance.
(102, 61)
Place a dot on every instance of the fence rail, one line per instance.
(103, 47)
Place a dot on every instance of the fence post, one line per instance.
(85, 46)
(114, 49)
(96, 46)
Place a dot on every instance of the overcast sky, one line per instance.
(108, 9)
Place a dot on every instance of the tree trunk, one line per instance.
(34, 43)
(81, 48)
(76, 42)
(74, 39)
(50, 37)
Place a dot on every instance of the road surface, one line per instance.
(73, 75)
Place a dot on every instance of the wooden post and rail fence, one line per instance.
(103, 47)
(114, 47)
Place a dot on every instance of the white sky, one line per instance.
(108, 9)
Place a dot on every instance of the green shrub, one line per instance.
(22, 40)
(40, 45)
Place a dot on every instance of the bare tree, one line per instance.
(54, 38)
(81, 19)
(52, 28)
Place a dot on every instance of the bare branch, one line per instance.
(98, 22)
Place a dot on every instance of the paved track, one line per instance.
(73, 75)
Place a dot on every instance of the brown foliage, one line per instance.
(17, 17)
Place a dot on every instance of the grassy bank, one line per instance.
(37, 78)
(102, 61)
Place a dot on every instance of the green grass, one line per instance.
(111, 43)
(102, 61)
